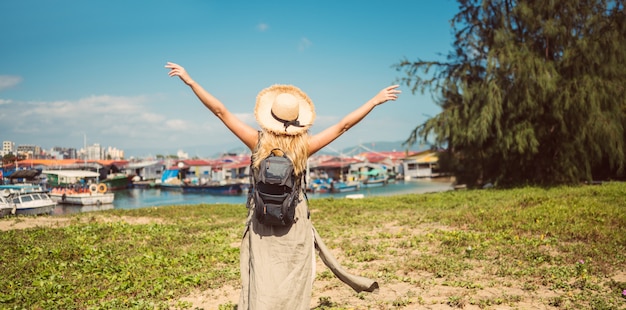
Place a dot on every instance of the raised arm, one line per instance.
(243, 131)
(331, 133)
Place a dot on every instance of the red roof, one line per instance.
(242, 162)
(66, 162)
(375, 157)
(227, 162)
(109, 162)
(337, 162)
(196, 162)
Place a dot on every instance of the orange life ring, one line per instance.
(102, 188)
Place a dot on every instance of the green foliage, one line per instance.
(114, 265)
(533, 92)
(9, 159)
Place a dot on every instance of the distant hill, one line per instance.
(381, 146)
(214, 151)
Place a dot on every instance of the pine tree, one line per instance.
(533, 92)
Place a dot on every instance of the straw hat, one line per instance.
(284, 109)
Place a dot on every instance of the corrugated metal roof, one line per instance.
(24, 174)
(427, 158)
(73, 173)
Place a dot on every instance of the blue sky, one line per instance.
(95, 69)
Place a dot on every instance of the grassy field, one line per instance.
(527, 248)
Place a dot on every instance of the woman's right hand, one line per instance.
(177, 70)
(386, 94)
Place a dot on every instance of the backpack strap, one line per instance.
(308, 212)
(252, 172)
(278, 149)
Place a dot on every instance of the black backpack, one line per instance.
(275, 190)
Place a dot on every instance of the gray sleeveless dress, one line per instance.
(277, 264)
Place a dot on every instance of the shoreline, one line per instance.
(434, 186)
(148, 198)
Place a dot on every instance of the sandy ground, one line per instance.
(30, 222)
(21, 222)
(424, 291)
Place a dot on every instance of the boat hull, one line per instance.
(374, 183)
(145, 184)
(5, 208)
(171, 187)
(6, 211)
(118, 182)
(36, 210)
(84, 199)
(220, 190)
(341, 187)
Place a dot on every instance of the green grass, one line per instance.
(567, 241)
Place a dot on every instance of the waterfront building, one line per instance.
(421, 165)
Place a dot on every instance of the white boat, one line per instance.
(28, 199)
(374, 182)
(6, 209)
(70, 188)
(82, 198)
(342, 187)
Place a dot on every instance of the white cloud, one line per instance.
(91, 107)
(247, 118)
(262, 27)
(8, 81)
(5, 101)
(115, 119)
(150, 117)
(304, 44)
(133, 124)
(177, 124)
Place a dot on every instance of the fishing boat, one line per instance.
(227, 189)
(319, 186)
(28, 199)
(117, 181)
(374, 181)
(342, 187)
(93, 195)
(171, 180)
(171, 187)
(78, 187)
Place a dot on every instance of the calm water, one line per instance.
(142, 198)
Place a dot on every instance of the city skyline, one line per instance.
(92, 152)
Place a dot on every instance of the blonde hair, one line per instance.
(296, 148)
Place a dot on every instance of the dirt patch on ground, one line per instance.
(475, 287)
(25, 222)
(32, 222)
(406, 291)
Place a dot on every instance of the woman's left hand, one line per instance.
(178, 70)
